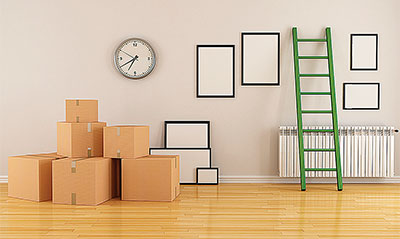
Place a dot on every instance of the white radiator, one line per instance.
(365, 151)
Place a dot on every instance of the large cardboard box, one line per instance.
(126, 141)
(150, 178)
(29, 176)
(80, 139)
(83, 111)
(82, 181)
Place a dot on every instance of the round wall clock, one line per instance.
(135, 58)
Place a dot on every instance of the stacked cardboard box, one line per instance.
(29, 176)
(95, 163)
(85, 177)
(143, 177)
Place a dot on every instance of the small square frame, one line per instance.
(211, 168)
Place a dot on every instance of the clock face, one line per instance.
(135, 58)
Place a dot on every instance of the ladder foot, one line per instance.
(303, 189)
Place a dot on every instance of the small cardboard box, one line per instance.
(80, 139)
(29, 176)
(150, 178)
(126, 141)
(81, 111)
(82, 181)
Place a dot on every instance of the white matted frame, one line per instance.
(364, 52)
(361, 96)
(207, 176)
(187, 134)
(215, 67)
(260, 58)
(189, 161)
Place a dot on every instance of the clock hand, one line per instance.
(127, 53)
(133, 60)
(127, 62)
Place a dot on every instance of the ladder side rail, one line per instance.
(299, 109)
(334, 110)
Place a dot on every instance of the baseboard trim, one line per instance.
(3, 179)
(276, 179)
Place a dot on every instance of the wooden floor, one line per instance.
(224, 211)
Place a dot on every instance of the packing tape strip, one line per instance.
(118, 153)
(73, 166)
(77, 102)
(77, 119)
(73, 198)
(118, 131)
(89, 152)
(89, 127)
(176, 161)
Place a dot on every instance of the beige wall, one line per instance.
(52, 50)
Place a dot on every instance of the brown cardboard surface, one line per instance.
(81, 111)
(80, 139)
(150, 178)
(126, 141)
(29, 176)
(82, 181)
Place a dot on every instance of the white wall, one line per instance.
(52, 50)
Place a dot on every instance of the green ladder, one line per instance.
(332, 111)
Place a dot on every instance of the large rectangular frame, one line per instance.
(198, 94)
(361, 83)
(180, 163)
(278, 35)
(352, 54)
(207, 123)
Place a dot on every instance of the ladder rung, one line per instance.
(319, 150)
(314, 75)
(317, 130)
(312, 40)
(313, 57)
(320, 169)
(316, 111)
(315, 93)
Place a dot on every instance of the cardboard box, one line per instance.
(81, 111)
(80, 139)
(126, 141)
(82, 181)
(150, 178)
(29, 176)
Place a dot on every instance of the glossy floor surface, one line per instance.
(224, 211)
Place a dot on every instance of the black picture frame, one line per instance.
(202, 168)
(206, 122)
(352, 68)
(361, 83)
(243, 83)
(188, 149)
(198, 95)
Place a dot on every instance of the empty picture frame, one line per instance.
(260, 58)
(189, 161)
(187, 134)
(361, 96)
(207, 176)
(215, 69)
(364, 52)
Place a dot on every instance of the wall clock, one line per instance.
(135, 58)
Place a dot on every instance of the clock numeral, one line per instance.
(134, 44)
(134, 72)
(120, 58)
(148, 58)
